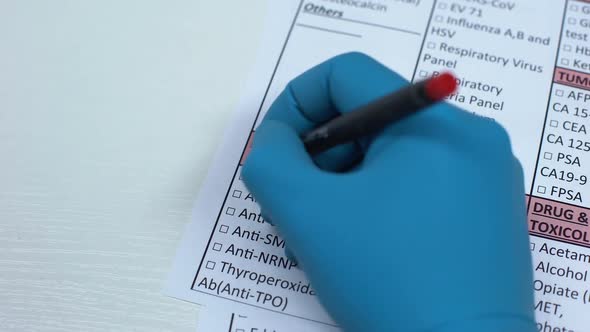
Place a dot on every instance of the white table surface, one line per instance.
(110, 112)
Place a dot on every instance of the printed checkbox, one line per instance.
(230, 211)
(210, 265)
(217, 246)
(553, 123)
(438, 18)
(431, 45)
(541, 189)
(565, 62)
(532, 246)
(423, 73)
(567, 48)
(223, 229)
(237, 194)
(548, 155)
(574, 7)
(572, 20)
(559, 93)
(442, 5)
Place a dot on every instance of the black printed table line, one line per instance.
(540, 148)
(364, 23)
(263, 308)
(245, 145)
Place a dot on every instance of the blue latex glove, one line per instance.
(427, 233)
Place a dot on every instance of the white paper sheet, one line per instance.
(524, 63)
(232, 319)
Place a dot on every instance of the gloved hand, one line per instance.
(426, 233)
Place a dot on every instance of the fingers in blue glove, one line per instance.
(327, 90)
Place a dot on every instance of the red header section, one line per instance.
(572, 78)
(559, 221)
(247, 149)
